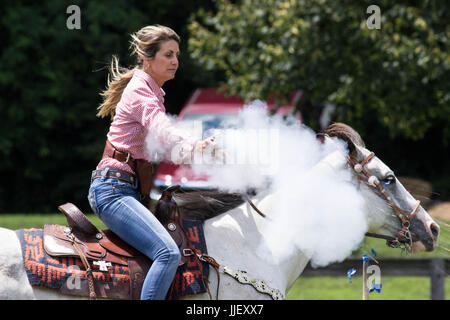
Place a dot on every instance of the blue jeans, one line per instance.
(117, 204)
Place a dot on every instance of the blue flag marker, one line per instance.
(350, 273)
(375, 286)
(374, 255)
(365, 258)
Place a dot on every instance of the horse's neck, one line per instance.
(236, 239)
(239, 237)
(290, 261)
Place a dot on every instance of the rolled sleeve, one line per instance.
(177, 144)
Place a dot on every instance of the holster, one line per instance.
(144, 170)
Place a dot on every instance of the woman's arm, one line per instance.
(178, 145)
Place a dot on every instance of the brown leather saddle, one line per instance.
(100, 250)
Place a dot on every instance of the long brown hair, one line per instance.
(145, 43)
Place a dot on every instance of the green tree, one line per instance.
(50, 80)
(391, 84)
(397, 74)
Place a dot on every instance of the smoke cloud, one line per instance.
(317, 210)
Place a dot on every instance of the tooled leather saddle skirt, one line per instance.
(104, 250)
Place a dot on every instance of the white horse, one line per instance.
(261, 257)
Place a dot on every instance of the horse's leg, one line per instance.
(13, 278)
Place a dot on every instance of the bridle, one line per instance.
(404, 237)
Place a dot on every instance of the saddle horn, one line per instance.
(167, 193)
(166, 208)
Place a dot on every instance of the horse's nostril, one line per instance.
(434, 230)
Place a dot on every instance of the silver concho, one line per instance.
(373, 181)
(67, 230)
(171, 226)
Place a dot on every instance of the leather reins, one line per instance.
(404, 235)
(253, 205)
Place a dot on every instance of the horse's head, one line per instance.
(394, 214)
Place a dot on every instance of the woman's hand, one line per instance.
(202, 145)
(209, 147)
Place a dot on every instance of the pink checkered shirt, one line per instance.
(141, 111)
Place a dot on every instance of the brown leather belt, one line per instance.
(115, 174)
(141, 167)
(111, 152)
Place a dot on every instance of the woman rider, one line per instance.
(117, 194)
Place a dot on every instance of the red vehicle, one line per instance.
(215, 111)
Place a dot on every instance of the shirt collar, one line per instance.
(151, 83)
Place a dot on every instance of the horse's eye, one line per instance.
(388, 180)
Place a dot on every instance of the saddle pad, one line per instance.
(189, 277)
(68, 274)
(61, 273)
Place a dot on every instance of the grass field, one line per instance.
(23, 221)
(338, 288)
(308, 288)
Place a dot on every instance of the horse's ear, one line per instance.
(349, 135)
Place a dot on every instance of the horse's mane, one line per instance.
(202, 205)
(346, 133)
